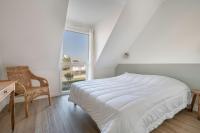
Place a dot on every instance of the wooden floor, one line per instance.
(62, 117)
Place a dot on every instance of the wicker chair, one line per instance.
(24, 87)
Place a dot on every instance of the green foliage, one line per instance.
(69, 76)
(66, 59)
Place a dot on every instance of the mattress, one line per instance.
(130, 103)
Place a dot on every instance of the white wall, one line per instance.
(31, 34)
(172, 35)
(134, 17)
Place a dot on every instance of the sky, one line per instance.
(76, 45)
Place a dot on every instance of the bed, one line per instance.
(130, 103)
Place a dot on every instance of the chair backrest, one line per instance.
(21, 74)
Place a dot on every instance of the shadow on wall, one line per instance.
(1, 70)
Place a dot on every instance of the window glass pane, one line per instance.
(75, 45)
(75, 58)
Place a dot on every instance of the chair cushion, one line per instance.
(36, 91)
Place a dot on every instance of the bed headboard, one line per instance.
(188, 73)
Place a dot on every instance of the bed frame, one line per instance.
(188, 73)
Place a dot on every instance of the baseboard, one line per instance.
(20, 99)
(4, 103)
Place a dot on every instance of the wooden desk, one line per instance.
(8, 88)
(196, 93)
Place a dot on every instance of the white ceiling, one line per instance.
(90, 12)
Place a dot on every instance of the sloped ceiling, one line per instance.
(104, 28)
(90, 12)
(31, 34)
(158, 32)
(133, 19)
(172, 35)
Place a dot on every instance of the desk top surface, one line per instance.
(4, 84)
(195, 91)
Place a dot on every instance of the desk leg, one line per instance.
(193, 101)
(12, 102)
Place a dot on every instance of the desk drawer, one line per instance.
(6, 91)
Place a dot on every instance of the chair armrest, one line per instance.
(43, 81)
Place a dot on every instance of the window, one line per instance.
(75, 58)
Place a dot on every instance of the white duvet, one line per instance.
(130, 103)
